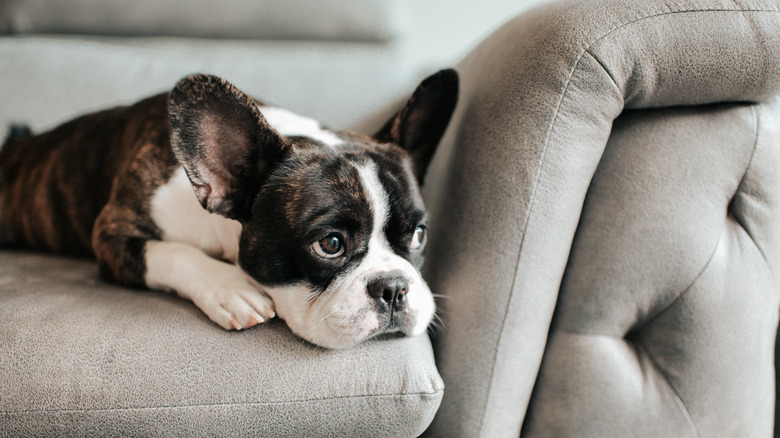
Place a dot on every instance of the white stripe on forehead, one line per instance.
(377, 198)
(290, 124)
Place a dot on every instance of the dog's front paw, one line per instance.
(224, 292)
(236, 303)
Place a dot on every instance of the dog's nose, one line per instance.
(391, 288)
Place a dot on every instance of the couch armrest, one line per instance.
(507, 186)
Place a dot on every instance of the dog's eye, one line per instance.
(328, 247)
(418, 238)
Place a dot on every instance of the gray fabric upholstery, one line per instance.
(84, 358)
(667, 316)
(662, 310)
(345, 20)
(605, 215)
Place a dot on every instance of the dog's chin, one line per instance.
(338, 324)
(340, 333)
(340, 330)
(343, 332)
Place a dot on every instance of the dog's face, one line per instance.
(336, 237)
(333, 224)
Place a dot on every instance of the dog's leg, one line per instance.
(132, 254)
(221, 290)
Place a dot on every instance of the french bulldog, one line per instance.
(248, 210)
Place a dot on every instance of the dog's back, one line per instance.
(15, 134)
(53, 185)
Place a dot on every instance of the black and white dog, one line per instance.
(250, 211)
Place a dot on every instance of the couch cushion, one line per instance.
(82, 357)
(353, 20)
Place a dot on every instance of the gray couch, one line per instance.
(605, 238)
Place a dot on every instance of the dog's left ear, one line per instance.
(226, 146)
(420, 124)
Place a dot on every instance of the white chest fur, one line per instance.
(176, 211)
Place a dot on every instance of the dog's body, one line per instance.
(245, 209)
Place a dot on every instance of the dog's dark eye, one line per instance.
(328, 247)
(418, 238)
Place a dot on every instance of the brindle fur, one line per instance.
(76, 189)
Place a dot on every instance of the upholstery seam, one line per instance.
(712, 255)
(677, 397)
(537, 178)
(628, 336)
(213, 405)
(638, 343)
(757, 122)
(543, 158)
(607, 33)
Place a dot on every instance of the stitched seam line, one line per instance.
(638, 329)
(756, 117)
(641, 346)
(638, 343)
(677, 398)
(656, 15)
(543, 157)
(537, 178)
(679, 297)
(212, 405)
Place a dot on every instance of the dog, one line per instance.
(249, 211)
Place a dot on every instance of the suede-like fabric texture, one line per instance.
(86, 358)
(667, 312)
(667, 316)
(607, 260)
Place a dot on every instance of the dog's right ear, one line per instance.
(420, 124)
(220, 137)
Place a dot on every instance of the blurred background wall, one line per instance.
(443, 31)
(345, 62)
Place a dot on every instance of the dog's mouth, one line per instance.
(346, 320)
(397, 321)
(345, 329)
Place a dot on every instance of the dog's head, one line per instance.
(333, 223)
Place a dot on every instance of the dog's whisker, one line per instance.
(325, 318)
(437, 323)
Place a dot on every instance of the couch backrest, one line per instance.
(341, 20)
